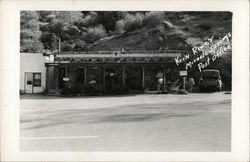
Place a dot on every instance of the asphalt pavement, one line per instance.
(134, 123)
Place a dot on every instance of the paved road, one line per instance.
(194, 122)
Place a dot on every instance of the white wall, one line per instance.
(32, 62)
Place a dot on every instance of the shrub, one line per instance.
(130, 22)
(89, 20)
(30, 45)
(153, 18)
(119, 27)
(67, 46)
(95, 33)
(80, 45)
(49, 40)
(133, 22)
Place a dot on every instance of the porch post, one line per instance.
(51, 77)
(56, 77)
(164, 79)
(104, 84)
(85, 75)
(47, 78)
(66, 71)
(123, 76)
(143, 77)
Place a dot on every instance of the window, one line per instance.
(29, 78)
(37, 79)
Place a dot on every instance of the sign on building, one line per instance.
(183, 73)
(66, 79)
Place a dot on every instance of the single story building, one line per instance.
(33, 72)
(113, 71)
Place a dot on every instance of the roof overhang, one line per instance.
(116, 58)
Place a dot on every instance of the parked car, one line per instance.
(210, 80)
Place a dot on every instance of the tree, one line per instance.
(60, 24)
(109, 18)
(30, 33)
(94, 34)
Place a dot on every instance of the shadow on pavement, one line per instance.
(125, 113)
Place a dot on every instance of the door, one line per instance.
(28, 83)
(133, 79)
(152, 76)
(113, 79)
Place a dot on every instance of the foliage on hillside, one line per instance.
(144, 30)
(30, 33)
(88, 30)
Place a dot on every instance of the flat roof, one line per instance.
(118, 55)
(121, 52)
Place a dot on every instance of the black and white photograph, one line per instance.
(124, 81)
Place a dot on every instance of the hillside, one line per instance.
(186, 30)
(41, 31)
(81, 31)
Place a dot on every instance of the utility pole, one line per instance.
(59, 44)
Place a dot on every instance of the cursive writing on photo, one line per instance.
(207, 52)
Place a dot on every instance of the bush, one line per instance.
(49, 40)
(133, 22)
(89, 20)
(80, 45)
(67, 46)
(72, 31)
(119, 27)
(69, 89)
(153, 18)
(130, 22)
(30, 45)
(95, 33)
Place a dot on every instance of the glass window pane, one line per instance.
(37, 83)
(37, 79)
(37, 76)
(29, 78)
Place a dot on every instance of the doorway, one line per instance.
(31, 80)
(113, 79)
(133, 79)
(153, 74)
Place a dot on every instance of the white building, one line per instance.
(32, 72)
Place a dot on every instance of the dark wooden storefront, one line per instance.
(133, 73)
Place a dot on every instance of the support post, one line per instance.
(51, 76)
(104, 84)
(164, 79)
(184, 82)
(66, 71)
(56, 77)
(143, 77)
(85, 75)
(47, 77)
(123, 76)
